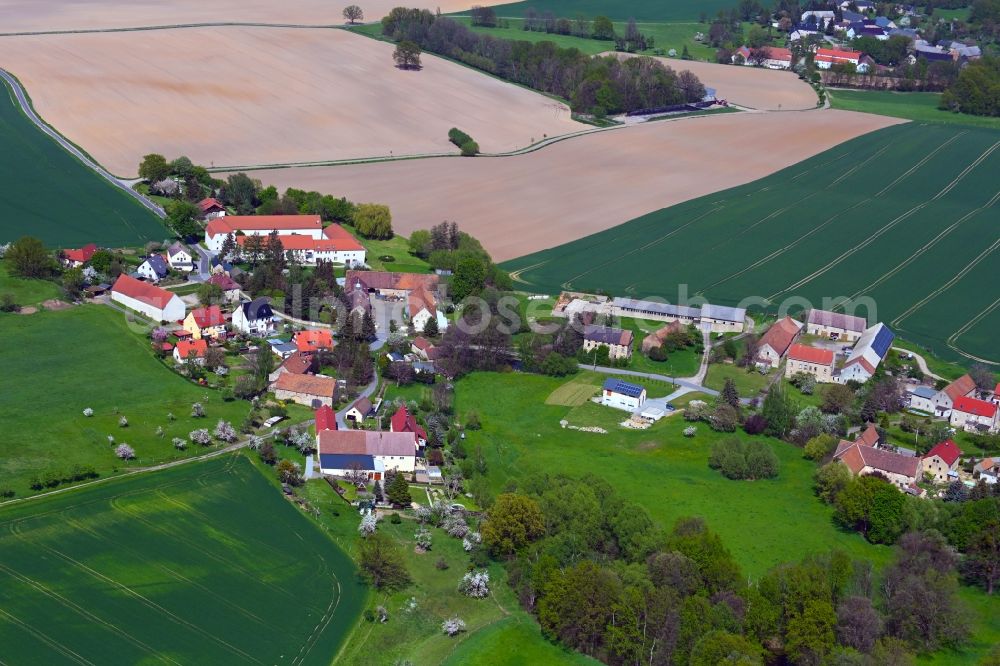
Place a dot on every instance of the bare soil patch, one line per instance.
(249, 96)
(56, 304)
(28, 310)
(37, 15)
(573, 188)
(754, 87)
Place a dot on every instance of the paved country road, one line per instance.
(25, 104)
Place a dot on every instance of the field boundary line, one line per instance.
(889, 225)
(80, 610)
(45, 638)
(779, 251)
(145, 601)
(947, 285)
(953, 338)
(920, 252)
(176, 26)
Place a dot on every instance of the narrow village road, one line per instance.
(22, 99)
(921, 363)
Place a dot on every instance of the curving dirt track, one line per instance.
(573, 188)
(238, 96)
(45, 15)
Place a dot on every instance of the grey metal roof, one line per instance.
(666, 309)
(723, 313)
(924, 392)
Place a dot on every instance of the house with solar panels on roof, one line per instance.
(868, 352)
(622, 395)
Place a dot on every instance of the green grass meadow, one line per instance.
(56, 364)
(658, 468)
(919, 106)
(26, 292)
(622, 10)
(47, 193)
(904, 216)
(202, 563)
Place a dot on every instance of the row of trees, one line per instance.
(592, 84)
(976, 90)
(603, 580)
(447, 248)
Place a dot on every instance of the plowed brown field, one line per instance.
(517, 205)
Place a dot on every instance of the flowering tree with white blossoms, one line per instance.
(197, 411)
(455, 526)
(225, 431)
(125, 452)
(422, 538)
(368, 525)
(88, 412)
(475, 584)
(179, 443)
(472, 541)
(200, 436)
(123, 422)
(453, 626)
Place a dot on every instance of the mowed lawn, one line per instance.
(919, 106)
(901, 220)
(26, 292)
(762, 522)
(47, 193)
(56, 364)
(203, 563)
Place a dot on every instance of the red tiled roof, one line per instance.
(833, 55)
(142, 291)
(325, 419)
(297, 363)
(223, 281)
(869, 437)
(300, 242)
(83, 255)
(420, 299)
(947, 451)
(310, 341)
(858, 457)
(185, 347)
(368, 442)
(342, 237)
(975, 406)
(234, 223)
(780, 335)
(422, 343)
(379, 280)
(808, 354)
(962, 386)
(314, 385)
(777, 53)
(403, 421)
(210, 316)
(208, 204)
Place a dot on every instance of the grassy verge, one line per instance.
(747, 383)
(87, 356)
(26, 292)
(919, 106)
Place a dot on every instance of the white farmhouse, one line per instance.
(157, 304)
(622, 395)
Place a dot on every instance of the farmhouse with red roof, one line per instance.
(974, 415)
(811, 360)
(191, 350)
(210, 209)
(308, 342)
(862, 460)
(942, 461)
(260, 225)
(945, 399)
(147, 299)
(335, 245)
(206, 322)
(404, 421)
(776, 341)
(77, 258)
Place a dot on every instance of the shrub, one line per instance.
(458, 137)
(690, 431)
(88, 412)
(197, 411)
(123, 422)
(441, 564)
(179, 443)
(470, 149)
(736, 460)
(755, 424)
